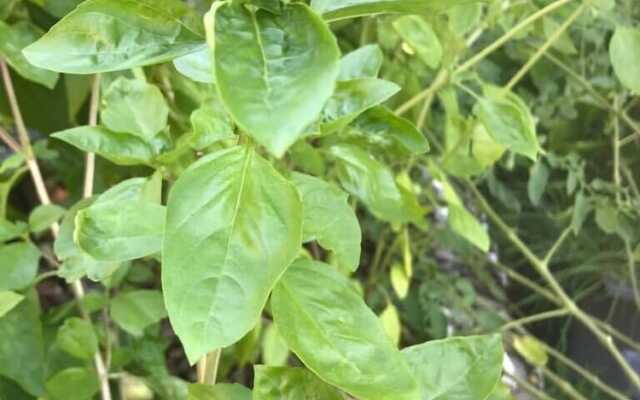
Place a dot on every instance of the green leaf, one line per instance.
(22, 344)
(19, 265)
(221, 391)
(399, 280)
(501, 392)
(136, 310)
(508, 121)
(283, 383)
(531, 349)
(233, 226)
(394, 135)
(210, 123)
(333, 10)
(274, 72)
(419, 35)
(135, 107)
(364, 62)
(119, 148)
(122, 224)
(197, 65)
(372, 183)
(8, 301)
(112, 35)
(460, 368)
(537, 184)
(329, 219)
(73, 384)
(466, 225)
(352, 98)
(275, 351)
(10, 231)
(624, 51)
(581, 211)
(78, 338)
(391, 322)
(328, 326)
(15, 38)
(43, 216)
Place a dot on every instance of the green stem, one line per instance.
(208, 367)
(535, 318)
(563, 384)
(537, 393)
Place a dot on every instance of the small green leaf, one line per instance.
(531, 349)
(508, 121)
(399, 280)
(352, 98)
(333, 10)
(210, 123)
(197, 66)
(466, 225)
(135, 107)
(19, 265)
(328, 326)
(8, 301)
(624, 51)
(78, 338)
(112, 35)
(221, 391)
(329, 219)
(393, 135)
(581, 211)
(274, 72)
(119, 148)
(73, 384)
(607, 218)
(275, 351)
(461, 368)
(234, 224)
(123, 226)
(364, 62)
(136, 310)
(282, 383)
(43, 216)
(419, 35)
(391, 323)
(12, 40)
(10, 231)
(537, 184)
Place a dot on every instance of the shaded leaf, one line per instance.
(8, 301)
(43, 216)
(73, 384)
(136, 310)
(19, 265)
(364, 62)
(282, 383)
(77, 337)
(221, 391)
(419, 35)
(340, 9)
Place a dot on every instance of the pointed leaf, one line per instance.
(233, 226)
(274, 72)
(112, 35)
(364, 62)
(624, 51)
(197, 65)
(330, 328)
(43, 216)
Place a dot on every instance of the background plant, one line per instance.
(305, 189)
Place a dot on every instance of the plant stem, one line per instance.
(543, 269)
(535, 318)
(563, 384)
(545, 47)
(43, 195)
(208, 367)
(440, 80)
(90, 159)
(537, 393)
(9, 141)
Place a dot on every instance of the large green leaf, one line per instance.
(197, 66)
(136, 310)
(340, 9)
(73, 384)
(77, 337)
(19, 265)
(22, 346)
(352, 98)
(624, 51)
(43, 216)
(12, 40)
(395, 136)
(111, 35)
(124, 223)
(221, 391)
(329, 219)
(135, 107)
(327, 324)
(373, 183)
(283, 383)
(461, 368)
(8, 301)
(233, 226)
(419, 35)
(119, 148)
(274, 72)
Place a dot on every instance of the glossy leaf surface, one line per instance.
(233, 226)
(460, 368)
(364, 62)
(112, 35)
(329, 219)
(274, 72)
(330, 328)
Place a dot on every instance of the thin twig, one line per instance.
(90, 158)
(535, 318)
(9, 141)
